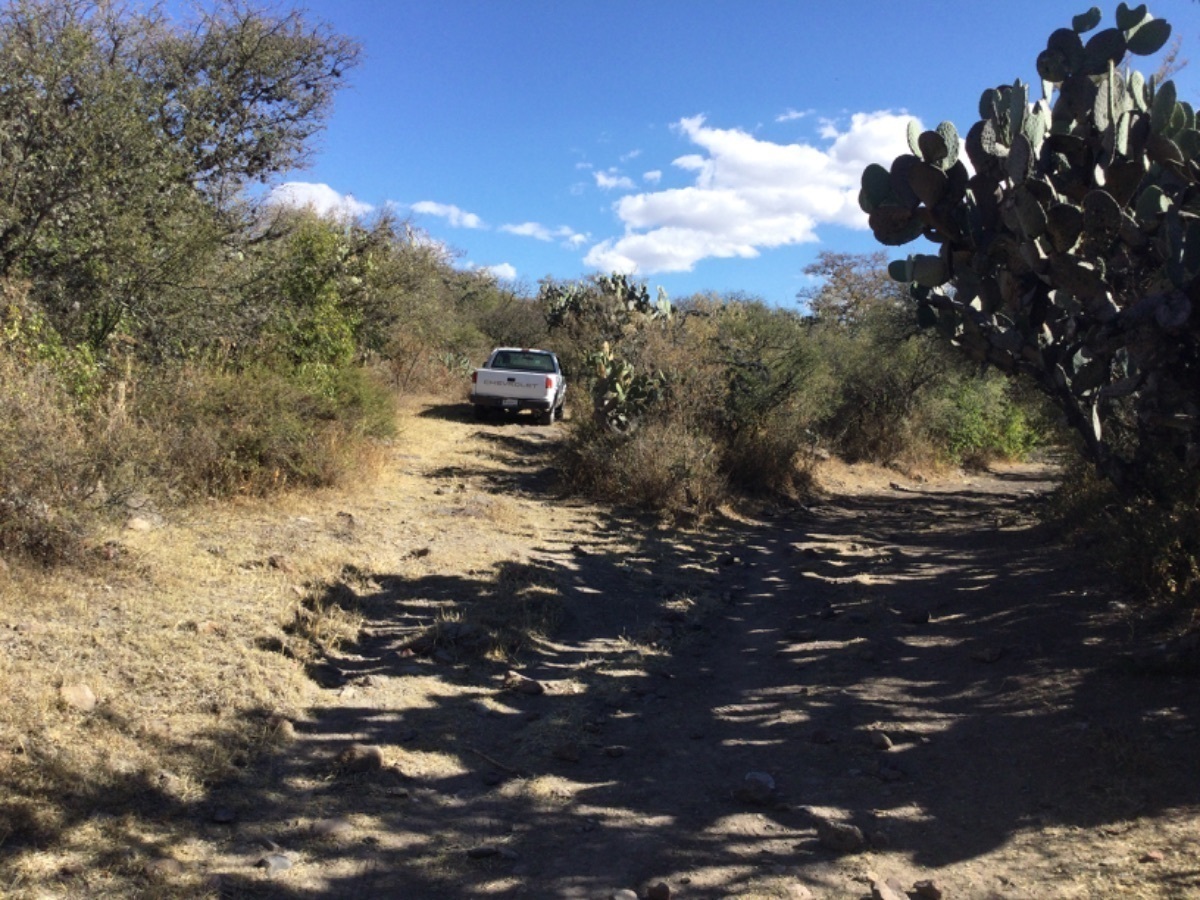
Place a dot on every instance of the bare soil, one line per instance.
(923, 660)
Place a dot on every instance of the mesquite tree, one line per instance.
(1071, 253)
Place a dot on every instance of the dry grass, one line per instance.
(177, 631)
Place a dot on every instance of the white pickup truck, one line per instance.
(519, 378)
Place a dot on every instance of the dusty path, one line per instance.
(923, 662)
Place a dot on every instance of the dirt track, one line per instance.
(922, 661)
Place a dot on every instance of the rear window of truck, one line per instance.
(523, 362)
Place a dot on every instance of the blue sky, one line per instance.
(702, 145)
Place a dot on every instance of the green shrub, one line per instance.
(977, 419)
(257, 430)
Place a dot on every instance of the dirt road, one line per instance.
(900, 681)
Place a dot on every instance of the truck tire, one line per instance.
(547, 418)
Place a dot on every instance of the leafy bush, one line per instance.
(975, 420)
(253, 431)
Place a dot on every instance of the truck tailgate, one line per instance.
(502, 383)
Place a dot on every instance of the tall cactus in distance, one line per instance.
(1072, 252)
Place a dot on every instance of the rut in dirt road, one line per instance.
(925, 665)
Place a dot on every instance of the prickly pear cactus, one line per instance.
(621, 395)
(1070, 249)
(618, 309)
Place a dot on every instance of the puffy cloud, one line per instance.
(320, 198)
(654, 176)
(529, 229)
(454, 216)
(502, 272)
(540, 232)
(748, 194)
(611, 180)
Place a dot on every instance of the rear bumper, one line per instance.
(540, 404)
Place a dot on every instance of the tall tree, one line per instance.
(126, 140)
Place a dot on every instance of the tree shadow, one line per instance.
(985, 664)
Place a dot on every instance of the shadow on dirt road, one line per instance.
(926, 664)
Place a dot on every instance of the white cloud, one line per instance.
(611, 180)
(749, 195)
(654, 176)
(538, 231)
(792, 115)
(456, 217)
(502, 272)
(632, 154)
(320, 198)
(529, 229)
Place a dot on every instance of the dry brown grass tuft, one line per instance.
(664, 465)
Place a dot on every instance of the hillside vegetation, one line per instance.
(164, 334)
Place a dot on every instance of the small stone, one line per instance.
(224, 815)
(275, 863)
(881, 741)
(163, 868)
(1152, 856)
(614, 751)
(138, 523)
(887, 890)
(660, 891)
(522, 684)
(281, 563)
(78, 696)
(757, 788)
(358, 758)
(624, 894)
(840, 837)
(333, 829)
(988, 654)
(927, 890)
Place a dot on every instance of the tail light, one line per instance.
(549, 382)
(475, 377)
